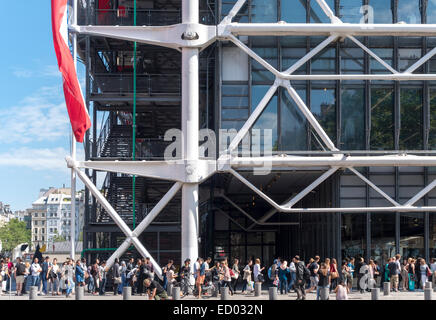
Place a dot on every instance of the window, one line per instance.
(382, 119)
(350, 11)
(353, 234)
(36, 214)
(35, 230)
(382, 237)
(412, 235)
(411, 119)
(432, 136)
(323, 107)
(268, 119)
(382, 11)
(431, 11)
(316, 13)
(293, 11)
(408, 11)
(263, 11)
(293, 124)
(353, 119)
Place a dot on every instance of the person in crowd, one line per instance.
(324, 279)
(433, 271)
(273, 273)
(246, 275)
(394, 271)
(404, 276)
(170, 274)
(8, 274)
(116, 276)
(341, 291)
(80, 275)
(53, 277)
(148, 268)
(95, 274)
(27, 279)
(283, 274)
(165, 270)
(292, 272)
(19, 272)
(216, 275)
(334, 274)
(351, 268)
(236, 274)
(70, 276)
(411, 274)
(35, 272)
(44, 275)
(257, 271)
(227, 279)
(123, 272)
(140, 277)
(418, 273)
(425, 272)
(313, 268)
(301, 272)
(184, 275)
(154, 290)
(103, 277)
(201, 273)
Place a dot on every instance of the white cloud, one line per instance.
(22, 73)
(35, 118)
(38, 159)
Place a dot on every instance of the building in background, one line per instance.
(366, 116)
(51, 216)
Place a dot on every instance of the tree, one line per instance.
(58, 237)
(13, 233)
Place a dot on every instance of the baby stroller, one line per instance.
(186, 287)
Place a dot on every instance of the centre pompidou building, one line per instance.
(340, 94)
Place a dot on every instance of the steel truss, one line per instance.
(190, 37)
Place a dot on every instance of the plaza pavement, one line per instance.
(416, 295)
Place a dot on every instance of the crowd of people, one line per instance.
(203, 277)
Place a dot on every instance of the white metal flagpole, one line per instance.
(73, 150)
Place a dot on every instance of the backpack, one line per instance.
(302, 272)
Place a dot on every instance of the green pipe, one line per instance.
(134, 121)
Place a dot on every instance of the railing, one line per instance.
(104, 134)
(124, 17)
(148, 84)
(151, 149)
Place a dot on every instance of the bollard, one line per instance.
(428, 285)
(273, 293)
(224, 293)
(428, 294)
(176, 293)
(33, 293)
(127, 293)
(169, 288)
(324, 293)
(215, 292)
(386, 288)
(257, 289)
(375, 294)
(80, 292)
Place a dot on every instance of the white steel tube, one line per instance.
(356, 77)
(327, 10)
(73, 151)
(326, 29)
(421, 193)
(351, 161)
(421, 61)
(190, 132)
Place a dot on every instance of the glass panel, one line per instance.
(412, 235)
(254, 237)
(293, 11)
(386, 55)
(169, 241)
(238, 252)
(292, 123)
(432, 136)
(259, 73)
(382, 236)
(255, 252)
(325, 62)
(237, 238)
(352, 60)
(269, 238)
(432, 234)
(431, 11)
(268, 119)
(353, 235)
(382, 119)
(268, 256)
(382, 11)
(316, 13)
(411, 119)
(353, 119)
(263, 11)
(150, 240)
(408, 11)
(408, 57)
(323, 107)
(350, 11)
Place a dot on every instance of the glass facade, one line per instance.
(357, 115)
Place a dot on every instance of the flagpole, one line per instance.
(73, 149)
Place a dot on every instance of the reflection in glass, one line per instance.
(293, 11)
(350, 11)
(316, 13)
(432, 234)
(382, 236)
(382, 11)
(411, 119)
(432, 135)
(408, 11)
(263, 11)
(323, 107)
(353, 234)
(268, 118)
(431, 11)
(408, 57)
(382, 119)
(325, 62)
(384, 53)
(353, 119)
(259, 73)
(292, 123)
(352, 60)
(412, 234)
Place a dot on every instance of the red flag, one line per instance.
(79, 117)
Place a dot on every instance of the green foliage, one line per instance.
(58, 238)
(13, 233)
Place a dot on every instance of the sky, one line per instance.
(35, 132)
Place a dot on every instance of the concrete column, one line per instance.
(375, 294)
(273, 293)
(386, 288)
(176, 293)
(324, 293)
(428, 285)
(257, 289)
(169, 289)
(224, 293)
(428, 294)
(214, 292)
(80, 292)
(33, 293)
(127, 293)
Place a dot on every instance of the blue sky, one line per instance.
(34, 126)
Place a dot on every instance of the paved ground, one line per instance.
(417, 295)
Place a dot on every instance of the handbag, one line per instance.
(334, 275)
(276, 282)
(117, 280)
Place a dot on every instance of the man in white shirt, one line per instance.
(35, 269)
